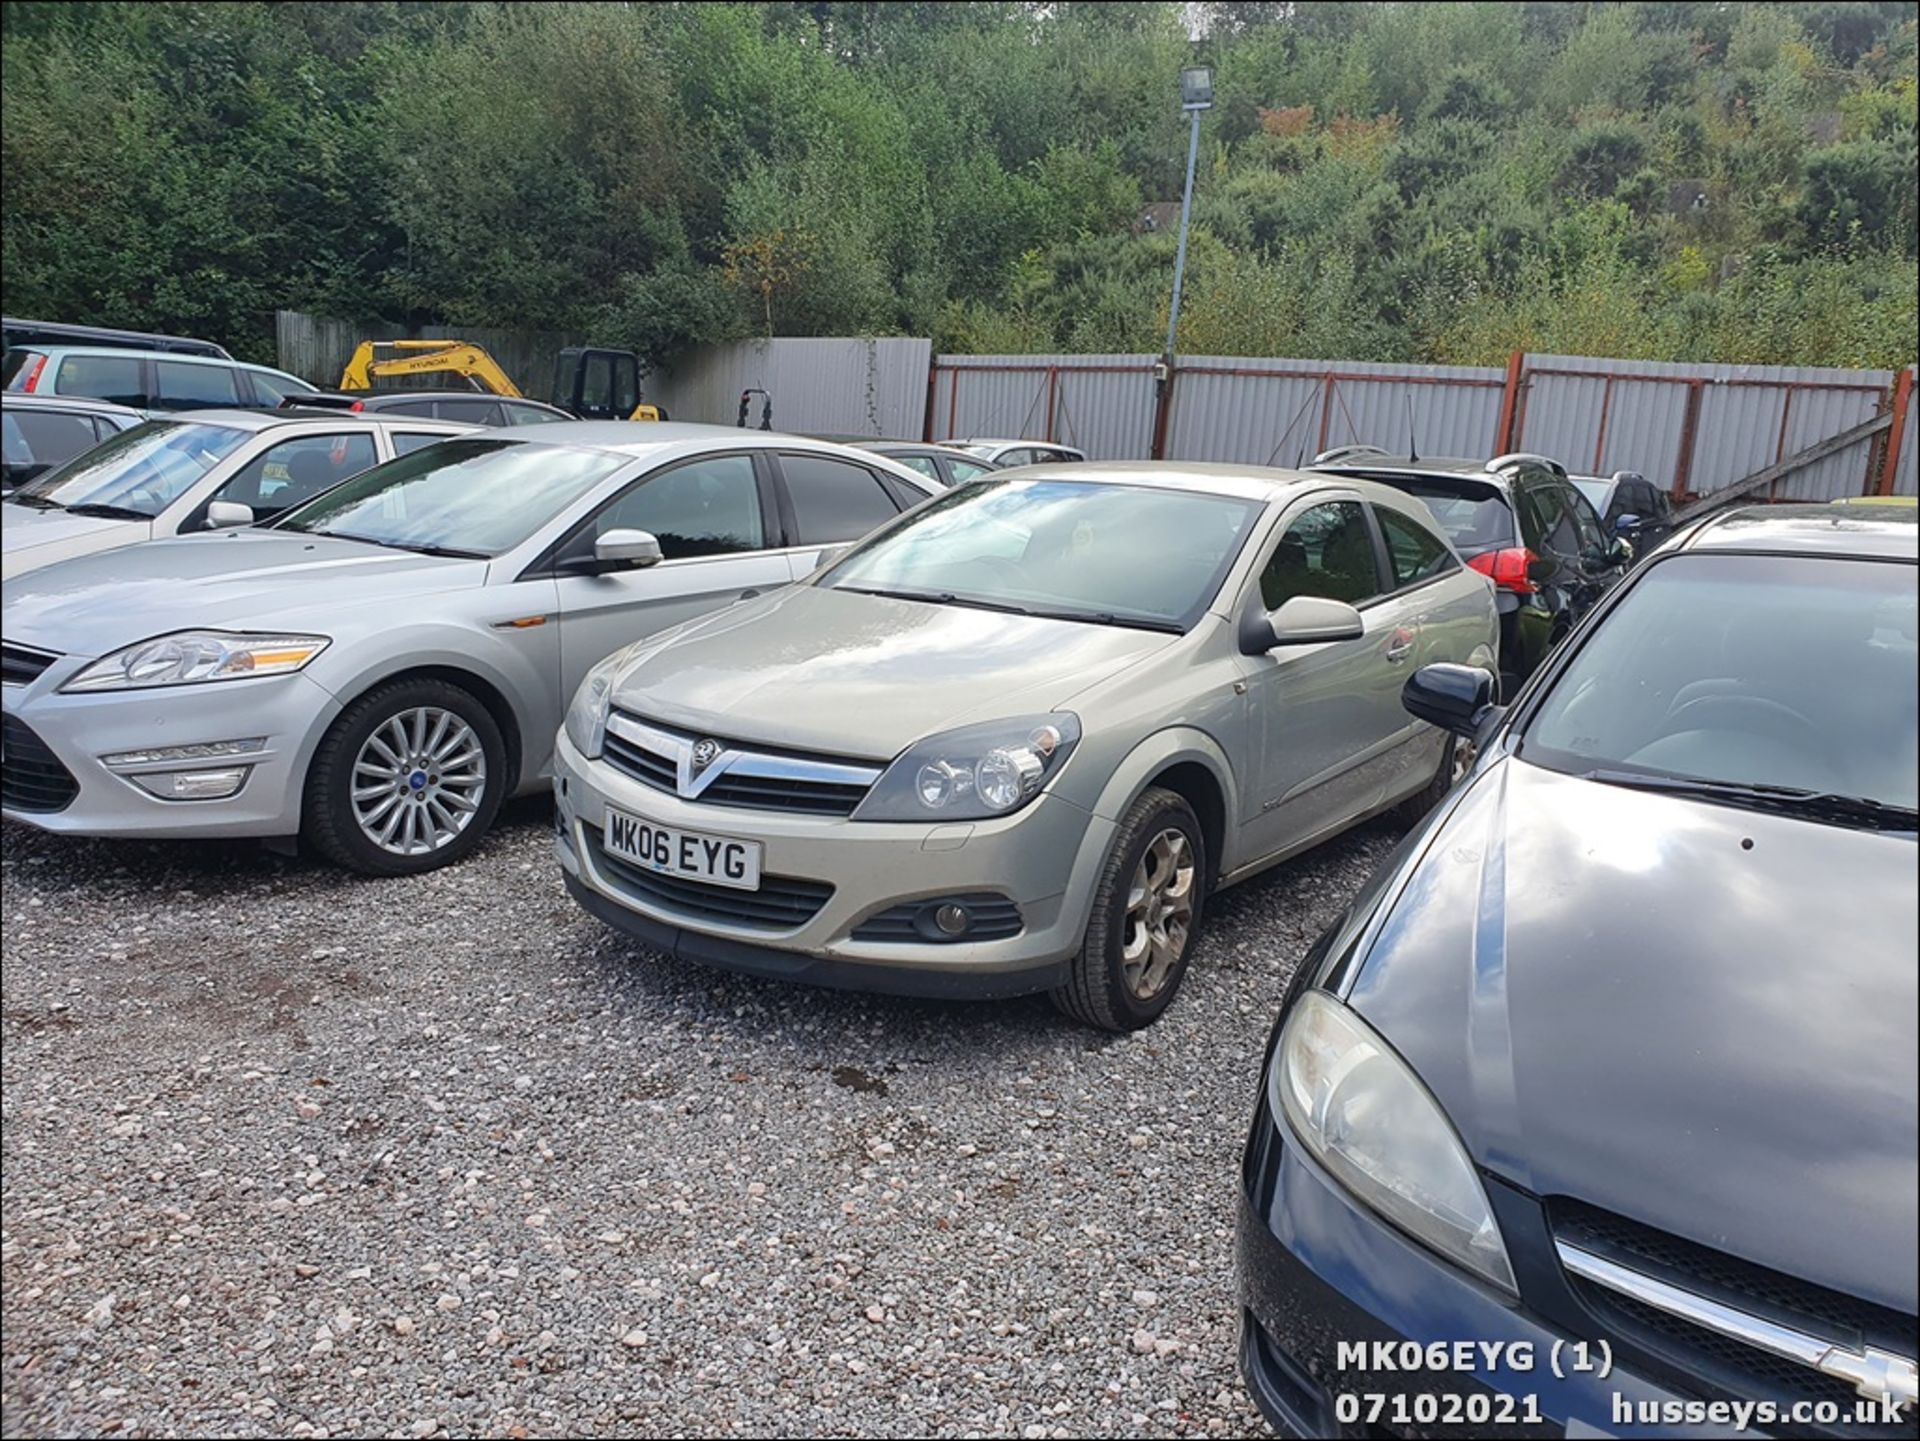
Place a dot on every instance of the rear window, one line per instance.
(1474, 516)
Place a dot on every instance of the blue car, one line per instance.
(1596, 1114)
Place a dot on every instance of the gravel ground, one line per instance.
(292, 1153)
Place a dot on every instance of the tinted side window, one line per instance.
(1325, 551)
(1544, 523)
(708, 507)
(527, 414)
(405, 442)
(296, 470)
(1586, 525)
(178, 386)
(473, 412)
(903, 494)
(105, 377)
(421, 408)
(833, 500)
(1415, 552)
(46, 438)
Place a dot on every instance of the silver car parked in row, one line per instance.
(378, 669)
(172, 477)
(1011, 742)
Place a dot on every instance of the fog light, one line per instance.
(193, 785)
(207, 750)
(951, 919)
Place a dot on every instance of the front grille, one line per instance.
(750, 778)
(31, 776)
(22, 665)
(992, 918)
(1724, 1361)
(783, 903)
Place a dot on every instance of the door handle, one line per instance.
(1399, 646)
(748, 594)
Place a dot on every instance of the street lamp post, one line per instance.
(1196, 94)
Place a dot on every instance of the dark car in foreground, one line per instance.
(1610, 1071)
(1519, 520)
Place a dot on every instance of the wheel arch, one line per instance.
(1193, 765)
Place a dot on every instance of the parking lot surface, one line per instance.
(289, 1152)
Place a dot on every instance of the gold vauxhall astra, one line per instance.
(1010, 742)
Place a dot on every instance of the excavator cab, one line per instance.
(598, 384)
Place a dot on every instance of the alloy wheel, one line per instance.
(418, 780)
(1159, 914)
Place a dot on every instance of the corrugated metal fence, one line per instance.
(834, 386)
(317, 348)
(1692, 428)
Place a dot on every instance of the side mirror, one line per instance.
(225, 514)
(1458, 698)
(627, 550)
(1626, 523)
(1620, 552)
(1304, 620)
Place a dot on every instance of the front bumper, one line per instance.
(289, 713)
(1316, 1271)
(1043, 859)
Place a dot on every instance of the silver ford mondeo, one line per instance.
(1010, 743)
(379, 668)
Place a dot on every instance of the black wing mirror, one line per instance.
(1458, 698)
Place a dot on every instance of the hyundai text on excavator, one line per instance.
(593, 383)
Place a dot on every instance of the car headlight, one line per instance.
(1367, 1118)
(973, 773)
(587, 716)
(191, 657)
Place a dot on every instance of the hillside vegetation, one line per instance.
(1431, 182)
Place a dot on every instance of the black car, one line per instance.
(1615, 1057)
(42, 431)
(940, 463)
(1629, 506)
(471, 407)
(1519, 520)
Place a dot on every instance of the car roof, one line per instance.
(27, 400)
(990, 440)
(646, 437)
(1884, 533)
(268, 418)
(1241, 482)
(181, 357)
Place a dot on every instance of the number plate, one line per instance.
(717, 860)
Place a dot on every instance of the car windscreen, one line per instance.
(1755, 670)
(1475, 516)
(477, 496)
(139, 471)
(1073, 550)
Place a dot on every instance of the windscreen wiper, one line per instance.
(109, 512)
(36, 502)
(1862, 811)
(941, 597)
(419, 548)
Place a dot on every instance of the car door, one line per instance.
(1323, 718)
(180, 385)
(1593, 549)
(718, 528)
(829, 502)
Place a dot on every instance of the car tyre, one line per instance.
(1455, 761)
(461, 774)
(1148, 906)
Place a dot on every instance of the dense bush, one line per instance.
(1682, 179)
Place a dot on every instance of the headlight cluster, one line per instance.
(587, 715)
(1367, 1118)
(973, 773)
(191, 657)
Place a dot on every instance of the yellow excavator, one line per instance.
(593, 383)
